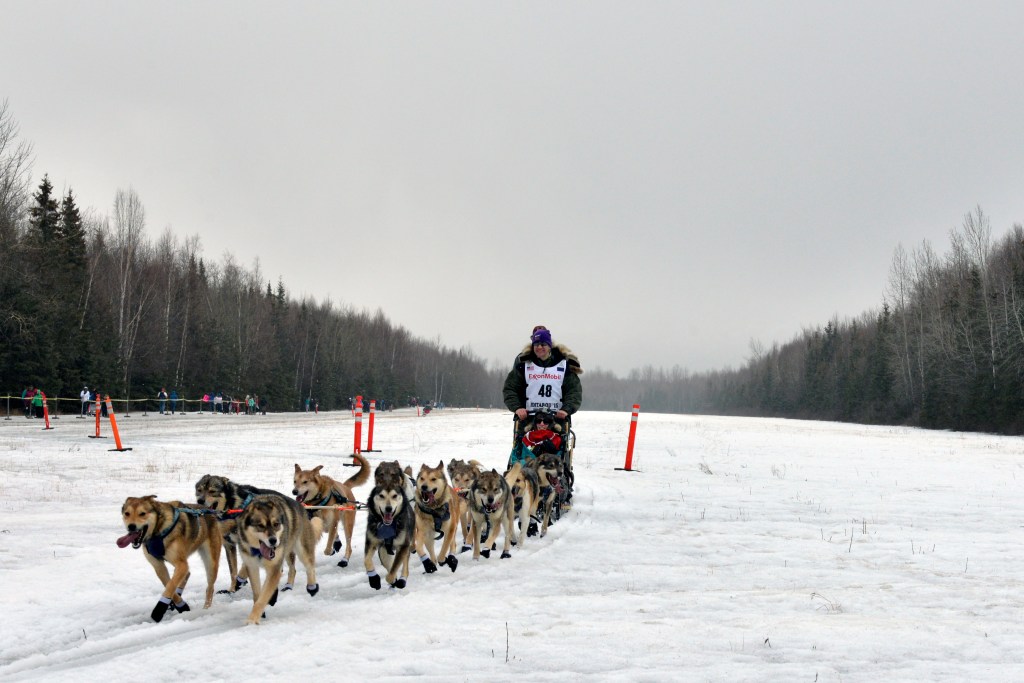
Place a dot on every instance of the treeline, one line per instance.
(946, 350)
(89, 299)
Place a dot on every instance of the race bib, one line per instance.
(544, 386)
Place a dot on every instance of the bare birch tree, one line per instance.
(15, 175)
(129, 223)
(898, 295)
(977, 234)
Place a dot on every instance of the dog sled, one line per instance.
(527, 451)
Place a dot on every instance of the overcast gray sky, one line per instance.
(657, 182)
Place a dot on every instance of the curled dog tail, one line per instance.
(363, 475)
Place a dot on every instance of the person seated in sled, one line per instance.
(542, 436)
(545, 376)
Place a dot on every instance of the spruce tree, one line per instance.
(44, 216)
(69, 285)
(41, 301)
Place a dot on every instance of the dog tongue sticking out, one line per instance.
(130, 537)
(266, 551)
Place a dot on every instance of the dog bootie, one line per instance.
(532, 529)
(486, 553)
(337, 545)
(160, 610)
(342, 563)
(428, 565)
(399, 583)
(273, 598)
(240, 582)
(374, 579)
(452, 562)
(505, 554)
(182, 607)
(313, 590)
(465, 547)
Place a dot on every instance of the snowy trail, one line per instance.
(740, 550)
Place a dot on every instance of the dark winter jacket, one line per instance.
(514, 391)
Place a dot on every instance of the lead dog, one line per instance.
(437, 512)
(228, 499)
(270, 529)
(491, 506)
(170, 533)
(390, 532)
(316, 489)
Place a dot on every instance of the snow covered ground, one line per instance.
(741, 550)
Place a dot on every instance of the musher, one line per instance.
(544, 375)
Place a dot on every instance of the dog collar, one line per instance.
(255, 552)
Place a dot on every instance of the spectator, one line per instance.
(37, 403)
(85, 396)
(98, 396)
(26, 400)
(162, 397)
(174, 400)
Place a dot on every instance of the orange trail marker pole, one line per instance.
(632, 437)
(358, 441)
(97, 436)
(113, 427)
(46, 413)
(369, 432)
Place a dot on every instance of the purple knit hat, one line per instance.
(541, 336)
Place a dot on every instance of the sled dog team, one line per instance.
(405, 514)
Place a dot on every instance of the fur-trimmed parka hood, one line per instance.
(556, 349)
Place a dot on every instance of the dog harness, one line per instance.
(387, 533)
(155, 545)
(440, 515)
(231, 514)
(487, 530)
